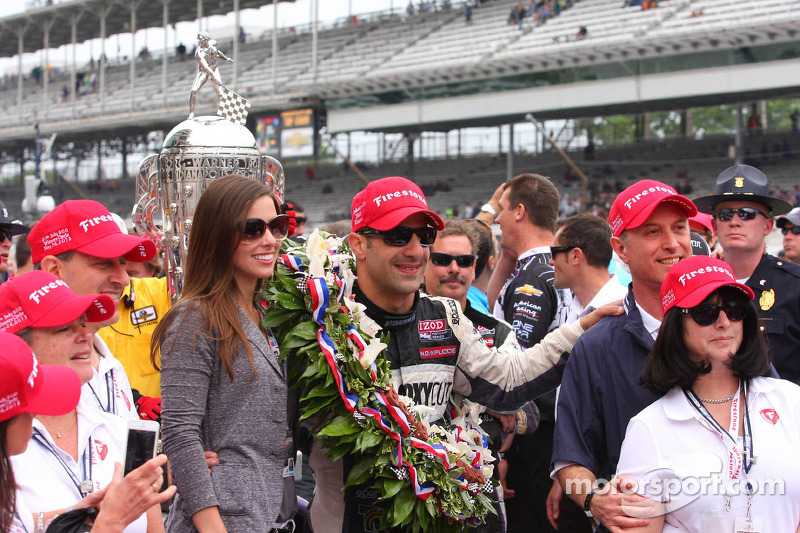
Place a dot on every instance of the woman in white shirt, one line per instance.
(718, 451)
(71, 456)
(29, 389)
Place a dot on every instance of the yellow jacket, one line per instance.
(129, 339)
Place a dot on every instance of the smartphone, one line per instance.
(142, 443)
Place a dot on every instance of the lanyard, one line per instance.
(111, 397)
(83, 487)
(736, 461)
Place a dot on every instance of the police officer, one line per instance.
(743, 211)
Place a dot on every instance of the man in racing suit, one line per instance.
(434, 349)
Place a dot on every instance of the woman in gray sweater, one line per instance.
(222, 385)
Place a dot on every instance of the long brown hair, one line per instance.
(7, 485)
(209, 282)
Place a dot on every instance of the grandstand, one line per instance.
(392, 52)
(392, 72)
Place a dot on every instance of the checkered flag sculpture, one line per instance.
(232, 106)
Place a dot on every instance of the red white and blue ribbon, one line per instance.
(292, 262)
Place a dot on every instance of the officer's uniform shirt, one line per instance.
(43, 481)
(109, 389)
(776, 283)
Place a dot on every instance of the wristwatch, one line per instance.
(587, 503)
(487, 208)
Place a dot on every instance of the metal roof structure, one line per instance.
(86, 14)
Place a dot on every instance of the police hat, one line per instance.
(742, 182)
(7, 224)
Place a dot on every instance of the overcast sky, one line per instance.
(289, 14)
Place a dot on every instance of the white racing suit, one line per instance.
(435, 350)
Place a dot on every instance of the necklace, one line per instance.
(721, 400)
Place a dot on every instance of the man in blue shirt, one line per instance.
(600, 390)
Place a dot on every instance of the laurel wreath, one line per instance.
(432, 478)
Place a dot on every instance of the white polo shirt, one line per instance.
(22, 521)
(611, 291)
(670, 448)
(109, 388)
(46, 483)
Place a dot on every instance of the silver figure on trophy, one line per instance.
(206, 56)
(194, 153)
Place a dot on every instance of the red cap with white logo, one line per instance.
(690, 281)
(386, 202)
(634, 205)
(39, 299)
(88, 227)
(28, 387)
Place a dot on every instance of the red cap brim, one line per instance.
(394, 218)
(58, 393)
(98, 307)
(699, 295)
(676, 199)
(135, 249)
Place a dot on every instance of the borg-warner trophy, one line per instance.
(197, 151)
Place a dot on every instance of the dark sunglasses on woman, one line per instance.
(5, 234)
(706, 314)
(401, 235)
(254, 228)
(443, 260)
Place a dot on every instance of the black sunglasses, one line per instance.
(706, 314)
(301, 220)
(254, 228)
(401, 235)
(745, 213)
(443, 260)
(794, 229)
(5, 234)
(554, 250)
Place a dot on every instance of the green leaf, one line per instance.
(370, 439)
(290, 301)
(423, 518)
(360, 472)
(305, 330)
(276, 317)
(404, 504)
(341, 425)
(292, 342)
(311, 370)
(320, 391)
(313, 407)
(391, 487)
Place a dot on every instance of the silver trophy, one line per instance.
(194, 153)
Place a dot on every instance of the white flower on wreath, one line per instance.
(316, 250)
(371, 352)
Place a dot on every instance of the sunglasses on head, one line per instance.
(443, 260)
(706, 314)
(794, 229)
(401, 235)
(554, 250)
(745, 213)
(5, 234)
(254, 228)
